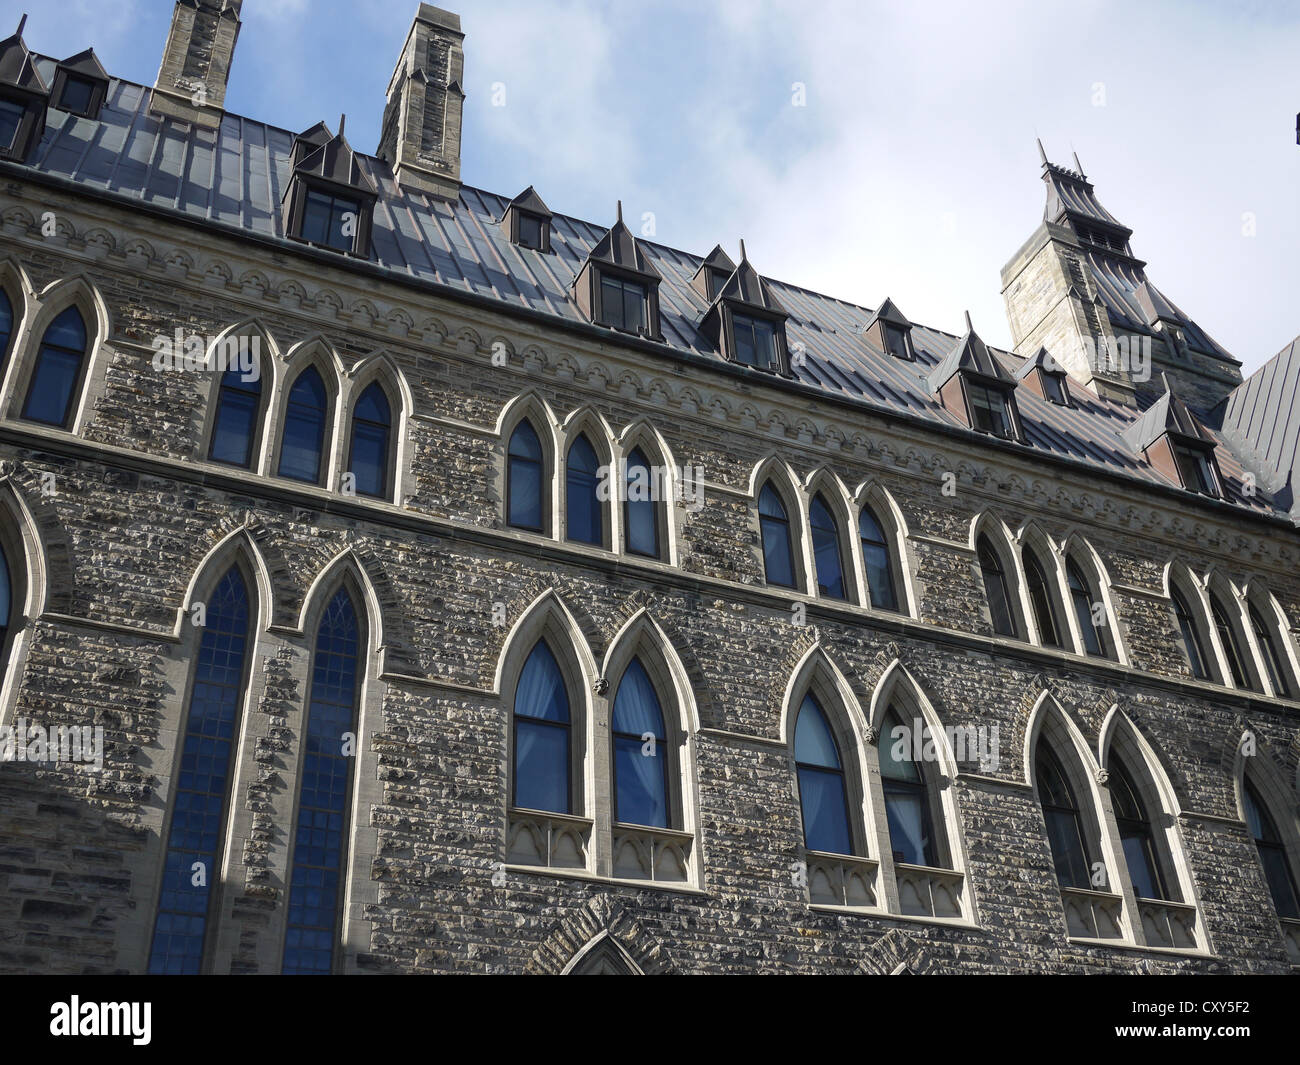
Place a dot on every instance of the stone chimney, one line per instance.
(191, 83)
(421, 133)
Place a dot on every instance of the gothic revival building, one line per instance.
(402, 577)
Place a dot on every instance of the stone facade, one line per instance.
(122, 523)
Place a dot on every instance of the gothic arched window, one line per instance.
(317, 872)
(1091, 617)
(584, 510)
(1136, 835)
(525, 479)
(1272, 854)
(1042, 600)
(234, 432)
(542, 741)
(640, 507)
(1191, 637)
(823, 794)
(996, 589)
(1065, 832)
(370, 455)
(879, 562)
(56, 377)
(909, 800)
(302, 444)
(192, 859)
(1231, 645)
(778, 550)
(826, 549)
(1273, 662)
(640, 764)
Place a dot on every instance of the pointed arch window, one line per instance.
(1136, 835)
(640, 752)
(1091, 618)
(239, 403)
(826, 549)
(1278, 673)
(1041, 599)
(996, 590)
(778, 550)
(318, 871)
(56, 377)
(640, 509)
(542, 735)
(879, 561)
(525, 477)
(584, 510)
(1272, 854)
(1071, 854)
(823, 794)
(305, 416)
(1231, 645)
(370, 455)
(197, 830)
(909, 800)
(6, 325)
(1191, 637)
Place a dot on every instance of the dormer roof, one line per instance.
(1042, 360)
(888, 312)
(334, 161)
(747, 287)
(86, 64)
(619, 248)
(1168, 414)
(529, 201)
(18, 68)
(969, 355)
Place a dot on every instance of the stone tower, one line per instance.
(195, 70)
(421, 131)
(1076, 288)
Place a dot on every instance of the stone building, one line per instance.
(401, 577)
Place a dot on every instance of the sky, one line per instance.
(862, 150)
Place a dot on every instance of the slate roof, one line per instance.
(1261, 418)
(237, 175)
(1168, 414)
(969, 355)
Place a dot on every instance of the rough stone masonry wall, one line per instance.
(79, 850)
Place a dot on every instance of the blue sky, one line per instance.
(911, 169)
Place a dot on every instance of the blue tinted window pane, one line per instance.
(585, 518)
(76, 95)
(368, 460)
(330, 220)
(524, 479)
(6, 322)
(778, 554)
(202, 787)
(304, 429)
(373, 406)
(541, 693)
(825, 817)
(636, 708)
(11, 115)
(909, 825)
(320, 834)
(58, 370)
(541, 766)
(641, 509)
(813, 743)
(642, 797)
(826, 550)
(880, 571)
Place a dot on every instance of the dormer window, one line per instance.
(80, 85)
(755, 342)
(329, 199)
(897, 342)
(1054, 389)
(890, 331)
(76, 95)
(990, 410)
(11, 117)
(622, 303)
(1195, 469)
(330, 220)
(717, 282)
(527, 221)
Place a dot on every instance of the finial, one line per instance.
(1041, 154)
(1164, 379)
(742, 249)
(343, 121)
(969, 328)
(620, 210)
(1078, 165)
